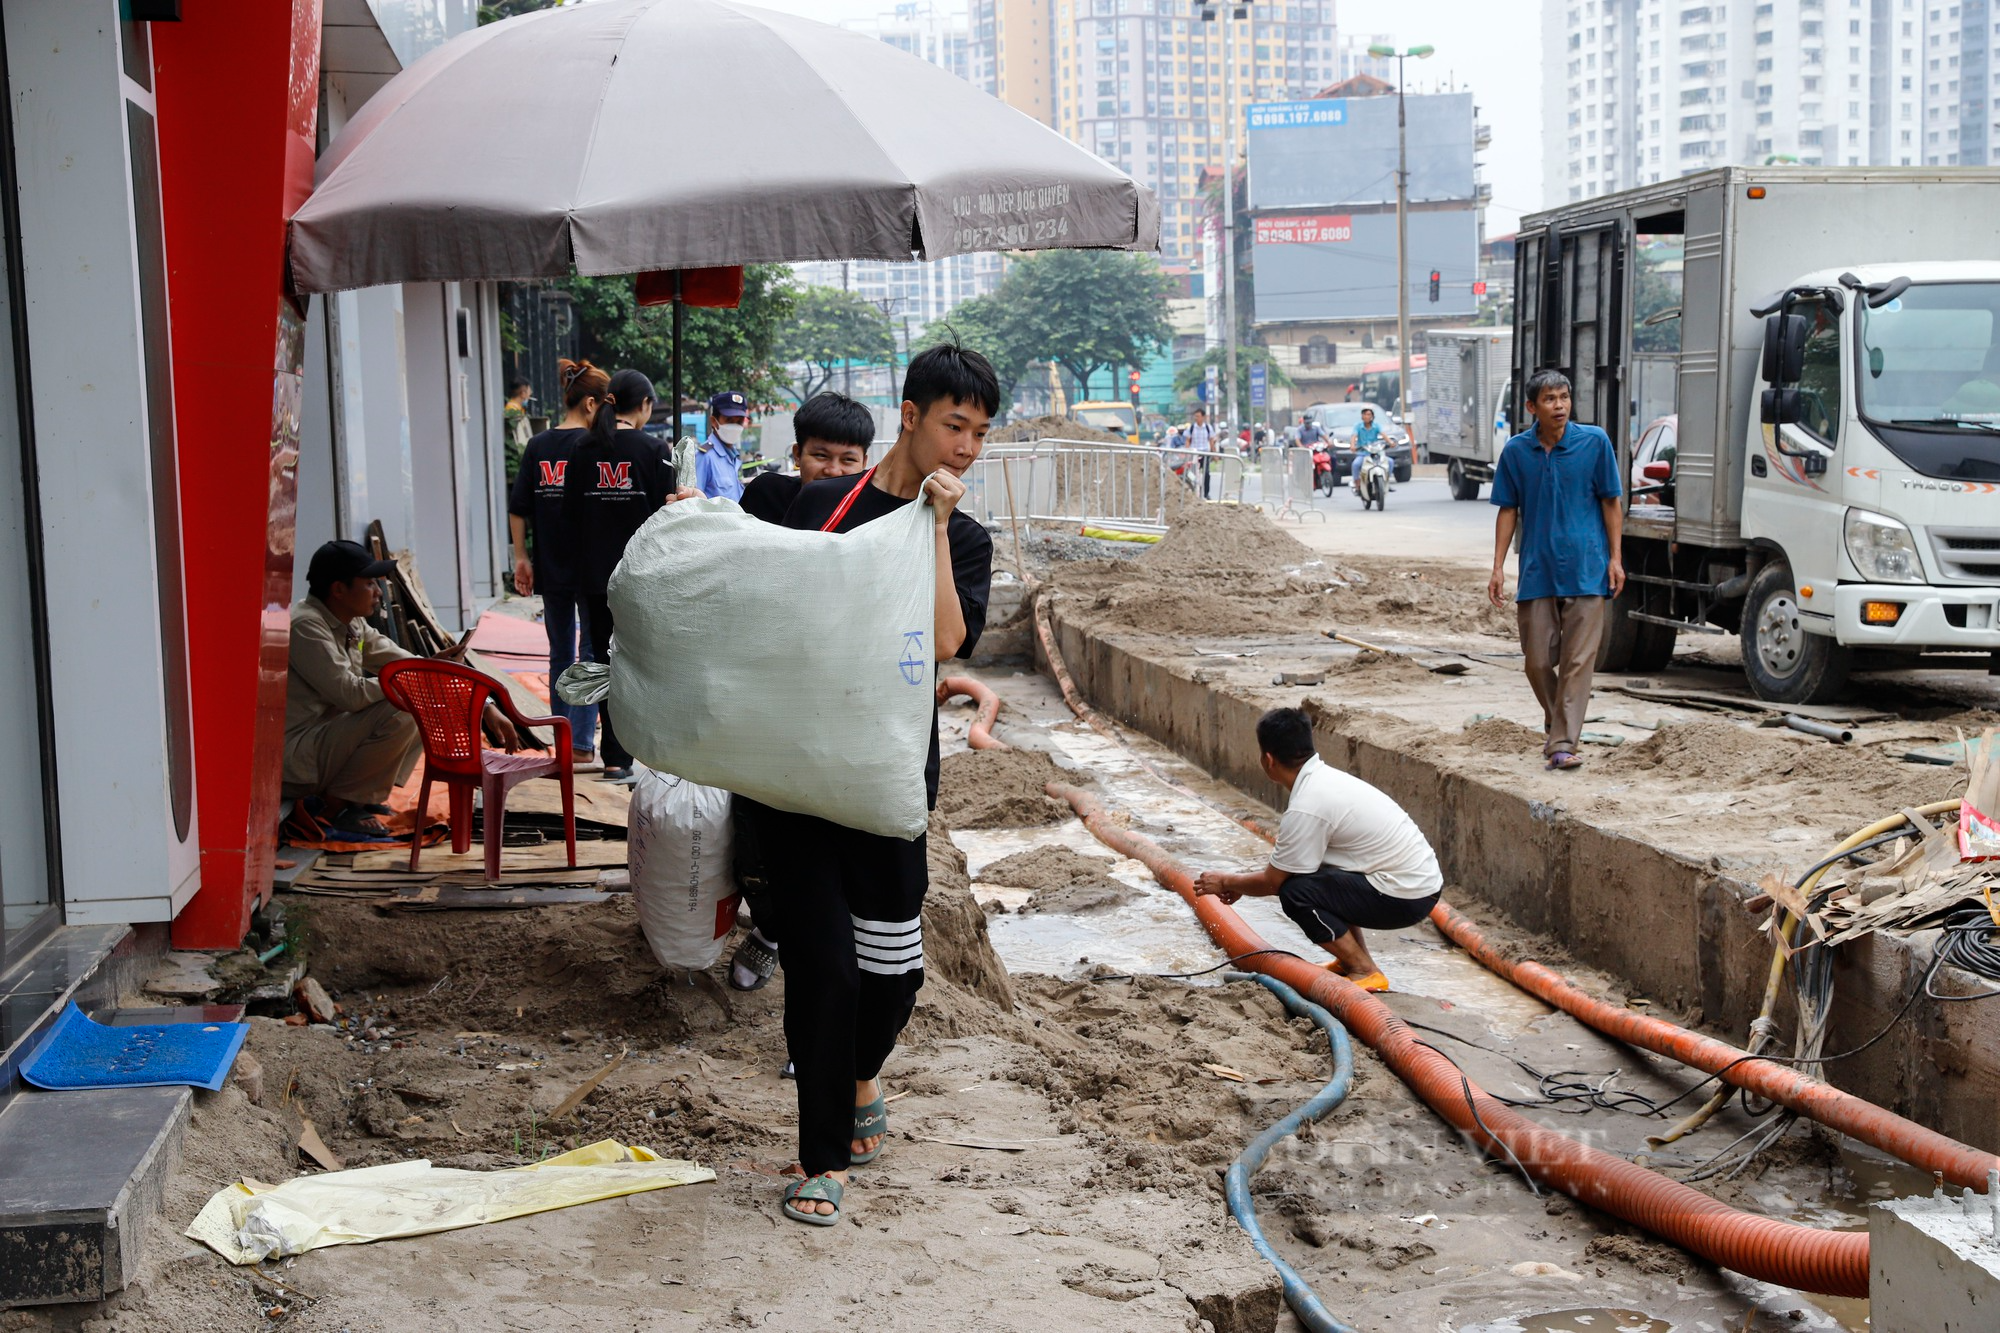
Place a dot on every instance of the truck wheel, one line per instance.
(1404, 473)
(1784, 661)
(1462, 486)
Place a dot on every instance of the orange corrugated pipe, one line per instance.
(981, 735)
(1903, 1139)
(1833, 1263)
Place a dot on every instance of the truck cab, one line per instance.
(1878, 420)
(1825, 343)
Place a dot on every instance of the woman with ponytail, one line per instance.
(616, 479)
(534, 504)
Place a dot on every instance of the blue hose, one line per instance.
(1298, 1294)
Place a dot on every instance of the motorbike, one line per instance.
(1323, 474)
(1372, 486)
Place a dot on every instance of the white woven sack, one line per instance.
(679, 843)
(791, 667)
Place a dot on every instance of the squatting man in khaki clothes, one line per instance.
(344, 742)
(1558, 485)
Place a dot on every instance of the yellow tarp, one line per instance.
(250, 1222)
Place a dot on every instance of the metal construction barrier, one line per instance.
(1083, 483)
(1285, 477)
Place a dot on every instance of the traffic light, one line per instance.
(1132, 382)
(1436, 279)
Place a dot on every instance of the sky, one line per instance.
(1490, 47)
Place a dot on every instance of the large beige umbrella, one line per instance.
(623, 136)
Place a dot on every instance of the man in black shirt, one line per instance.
(851, 903)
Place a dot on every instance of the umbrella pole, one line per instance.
(674, 434)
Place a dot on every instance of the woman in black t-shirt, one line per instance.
(535, 504)
(615, 481)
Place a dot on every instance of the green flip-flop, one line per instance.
(813, 1189)
(869, 1121)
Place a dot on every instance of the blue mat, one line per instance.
(79, 1053)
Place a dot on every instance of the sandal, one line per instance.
(870, 1121)
(1374, 982)
(757, 958)
(1564, 759)
(813, 1189)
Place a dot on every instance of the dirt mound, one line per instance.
(1220, 538)
(1157, 608)
(1000, 789)
(1063, 880)
(1125, 1061)
(1724, 754)
(1442, 599)
(1376, 665)
(1497, 735)
(957, 948)
(504, 970)
(1052, 428)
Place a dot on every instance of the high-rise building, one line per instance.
(1140, 82)
(918, 294)
(1011, 55)
(1636, 91)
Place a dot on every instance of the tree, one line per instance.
(829, 327)
(1086, 310)
(1189, 378)
(723, 349)
(982, 325)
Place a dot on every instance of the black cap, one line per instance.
(342, 562)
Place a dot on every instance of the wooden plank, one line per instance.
(445, 897)
(599, 853)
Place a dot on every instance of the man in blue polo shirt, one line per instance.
(1558, 485)
(718, 472)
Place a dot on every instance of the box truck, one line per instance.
(1829, 490)
(1470, 374)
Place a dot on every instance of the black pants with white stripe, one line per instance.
(851, 909)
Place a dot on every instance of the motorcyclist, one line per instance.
(1365, 434)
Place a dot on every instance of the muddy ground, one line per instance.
(1058, 1134)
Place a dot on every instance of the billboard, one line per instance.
(1330, 266)
(1335, 152)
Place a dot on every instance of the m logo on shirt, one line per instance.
(614, 476)
(552, 472)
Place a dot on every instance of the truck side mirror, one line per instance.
(1785, 348)
(1781, 407)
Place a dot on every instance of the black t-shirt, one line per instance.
(537, 495)
(769, 495)
(608, 491)
(971, 563)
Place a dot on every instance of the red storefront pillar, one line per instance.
(237, 83)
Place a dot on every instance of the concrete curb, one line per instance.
(1673, 926)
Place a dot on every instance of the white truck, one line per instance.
(1464, 421)
(1832, 490)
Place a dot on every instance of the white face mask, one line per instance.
(729, 432)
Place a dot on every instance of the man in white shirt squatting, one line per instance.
(1346, 856)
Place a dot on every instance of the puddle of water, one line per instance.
(1595, 1320)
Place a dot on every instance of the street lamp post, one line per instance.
(1402, 228)
(1229, 114)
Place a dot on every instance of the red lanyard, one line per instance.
(848, 503)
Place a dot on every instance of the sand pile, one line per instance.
(1497, 735)
(1063, 880)
(1051, 428)
(1378, 666)
(1221, 539)
(1723, 754)
(1000, 789)
(957, 949)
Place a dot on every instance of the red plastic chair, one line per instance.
(447, 700)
